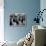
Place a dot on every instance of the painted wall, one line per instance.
(29, 7)
(43, 6)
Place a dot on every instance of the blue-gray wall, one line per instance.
(29, 7)
(43, 6)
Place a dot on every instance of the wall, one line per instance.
(43, 6)
(29, 7)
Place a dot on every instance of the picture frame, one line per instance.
(17, 19)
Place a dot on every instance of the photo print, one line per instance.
(17, 19)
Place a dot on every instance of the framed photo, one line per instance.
(17, 19)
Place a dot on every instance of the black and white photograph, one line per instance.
(17, 19)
